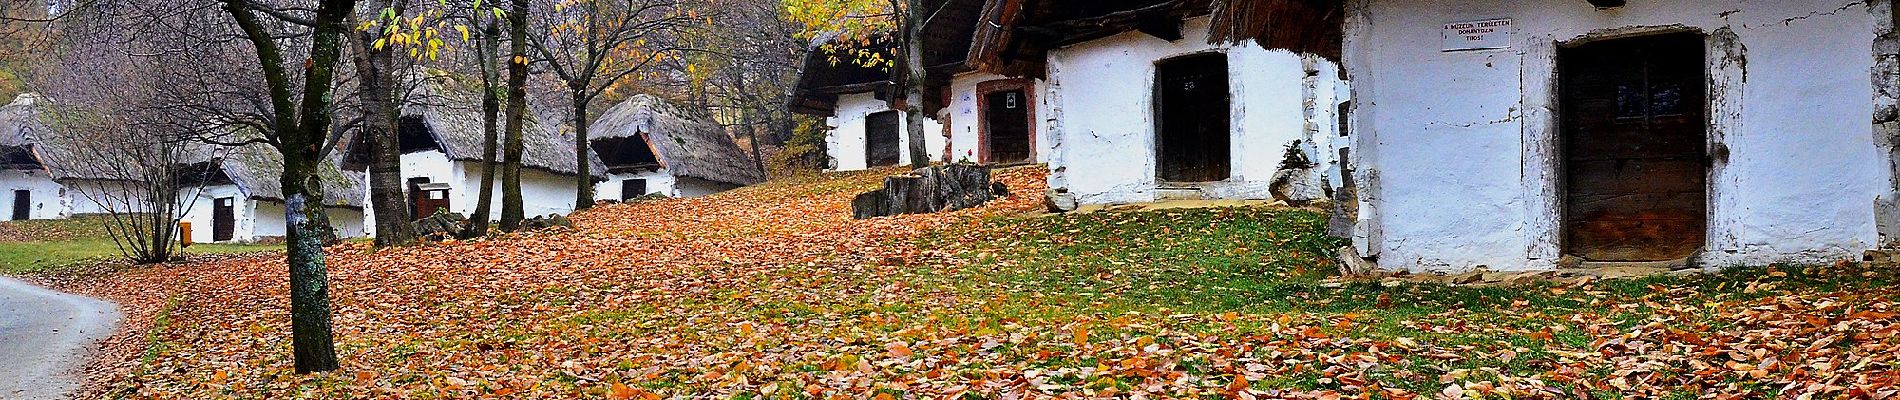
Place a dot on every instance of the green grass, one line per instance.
(28, 247)
(1273, 262)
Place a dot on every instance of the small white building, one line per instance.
(864, 131)
(237, 196)
(650, 145)
(43, 176)
(1138, 102)
(1541, 134)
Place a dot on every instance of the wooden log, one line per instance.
(871, 204)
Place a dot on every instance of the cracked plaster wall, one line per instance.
(1456, 150)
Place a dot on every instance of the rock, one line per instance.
(1352, 265)
(1060, 201)
(998, 189)
(545, 222)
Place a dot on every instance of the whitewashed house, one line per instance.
(46, 176)
(995, 113)
(1545, 134)
(864, 131)
(1141, 101)
(237, 196)
(440, 136)
(650, 145)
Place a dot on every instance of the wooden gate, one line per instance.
(1192, 111)
(1634, 144)
(880, 139)
(223, 219)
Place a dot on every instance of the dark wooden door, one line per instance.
(1634, 144)
(880, 139)
(428, 201)
(223, 219)
(1192, 109)
(22, 205)
(1006, 119)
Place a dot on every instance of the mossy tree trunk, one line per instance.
(299, 129)
(511, 208)
(377, 73)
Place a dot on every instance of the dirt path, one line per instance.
(44, 337)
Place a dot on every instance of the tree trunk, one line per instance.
(311, 337)
(913, 81)
(386, 193)
(511, 208)
(584, 178)
(752, 135)
(491, 116)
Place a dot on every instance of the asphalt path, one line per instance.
(45, 336)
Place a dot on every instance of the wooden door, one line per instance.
(22, 205)
(1192, 110)
(880, 139)
(223, 219)
(1634, 144)
(1006, 122)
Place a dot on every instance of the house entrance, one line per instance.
(1006, 126)
(22, 205)
(1634, 147)
(1192, 109)
(880, 139)
(223, 219)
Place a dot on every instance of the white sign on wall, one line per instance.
(1478, 35)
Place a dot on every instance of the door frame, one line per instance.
(1543, 165)
(1156, 123)
(983, 91)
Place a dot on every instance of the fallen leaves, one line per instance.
(773, 291)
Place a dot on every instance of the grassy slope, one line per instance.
(28, 247)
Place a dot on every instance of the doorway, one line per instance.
(223, 219)
(22, 205)
(1006, 115)
(426, 198)
(1634, 148)
(1192, 118)
(880, 139)
(632, 188)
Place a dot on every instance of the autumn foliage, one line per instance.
(774, 292)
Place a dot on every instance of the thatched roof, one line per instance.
(19, 125)
(27, 141)
(685, 139)
(1014, 36)
(257, 169)
(450, 107)
(1306, 26)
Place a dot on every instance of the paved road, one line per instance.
(44, 338)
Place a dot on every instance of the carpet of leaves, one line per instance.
(773, 292)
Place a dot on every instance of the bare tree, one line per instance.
(593, 45)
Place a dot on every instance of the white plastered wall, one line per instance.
(1457, 149)
(845, 143)
(1100, 96)
(658, 181)
(48, 199)
(542, 193)
(966, 120)
(201, 208)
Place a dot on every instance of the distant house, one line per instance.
(1535, 135)
(650, 145)
(864, 132)
(996, 113)
(237, 196)
(43, 176)
(440, 135)
(1146, 100)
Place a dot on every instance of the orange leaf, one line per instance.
(621, 391)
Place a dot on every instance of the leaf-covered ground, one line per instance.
(773, 292)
